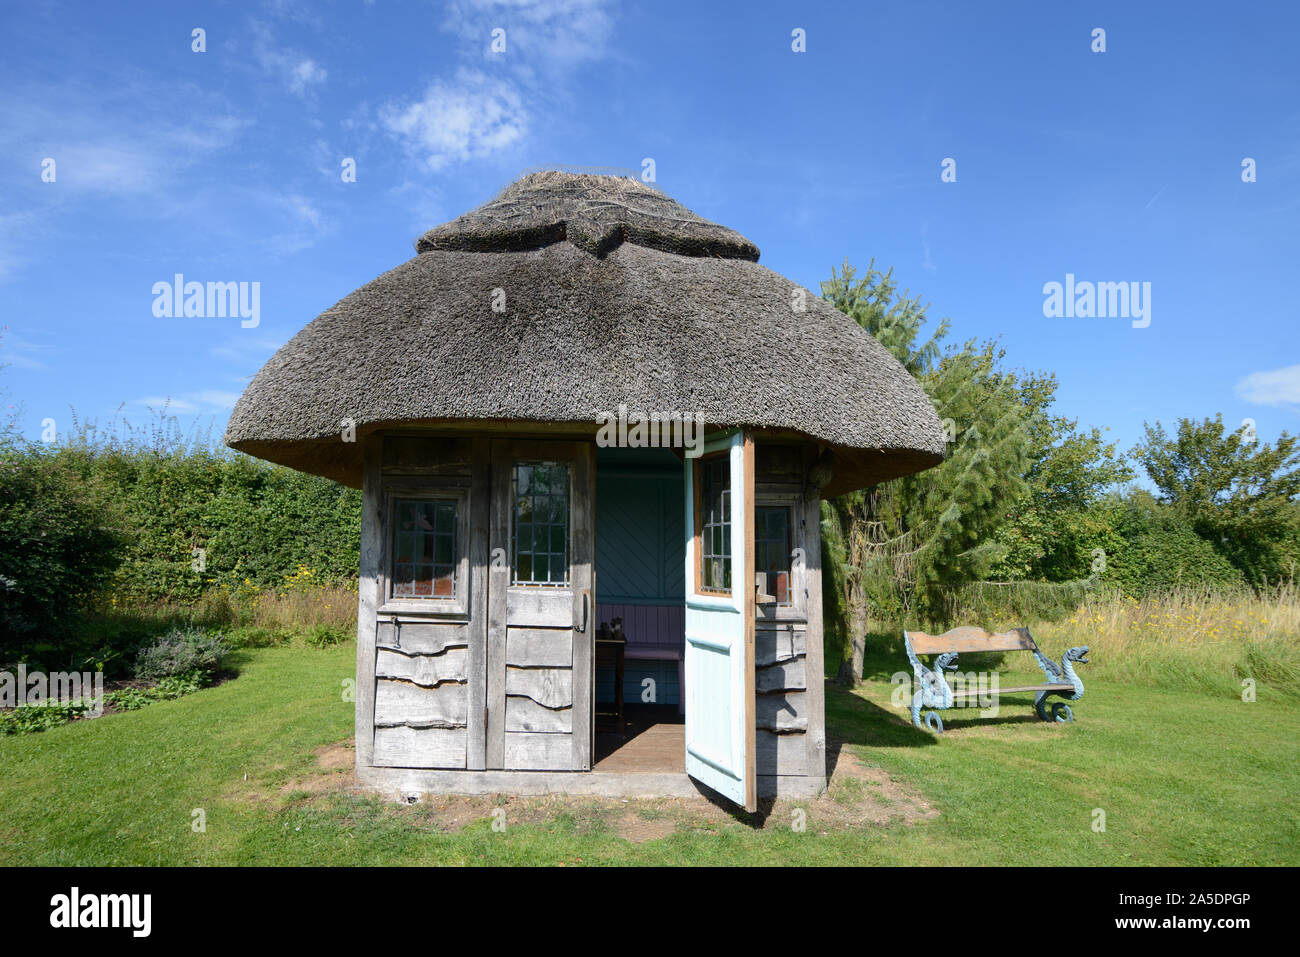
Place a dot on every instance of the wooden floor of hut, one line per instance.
(655, 740)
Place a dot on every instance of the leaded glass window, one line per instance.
(424, 548)
(714, 523)
(540, 533)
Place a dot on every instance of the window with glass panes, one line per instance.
(714, 523)
(772, 549)
(424, 548)
(540, 536)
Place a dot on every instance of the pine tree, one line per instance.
(897, 549)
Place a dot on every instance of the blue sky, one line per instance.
(225, 165)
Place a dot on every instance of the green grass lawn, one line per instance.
(1183, 779)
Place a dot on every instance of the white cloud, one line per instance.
(471, 117)
(488, 105)
(304, 75)
(1273, 387)
(542, 34)
(205, 400)
(127, 140)
(299, 73)
(19, 352)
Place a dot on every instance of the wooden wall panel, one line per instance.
(403, 747)
(418, 637)
(781, 753)
(538, 752)
(403, 703)
(423, 670)
(550, 687)
(525, 714)
(539, 647)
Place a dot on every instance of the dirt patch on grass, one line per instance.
(333, 772)
(859, 795)
(863, 794)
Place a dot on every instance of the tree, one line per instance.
(900, 545)
(1053, 530)
(895, 321)
(1236, 493)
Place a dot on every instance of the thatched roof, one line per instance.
(613, 294)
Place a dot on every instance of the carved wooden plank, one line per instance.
(552, 687)
(525, 714)
(372, 524)
(778, 463)
(405, 747)
(429, 454)
(968, 638)
(540, 647)
(782, 753)
(540, 606)
(498, 586)
(783, 712)
(788, 675)
(814, 653)
(479, 500)
(773, 643)
(582, 560)
(538, 752)
(400, 702)
(423, 637)
(424, 670)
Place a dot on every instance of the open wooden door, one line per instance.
(719, 654)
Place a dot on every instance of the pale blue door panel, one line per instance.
(716, 656)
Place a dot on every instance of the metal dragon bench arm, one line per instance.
(930, 689)
(1062, 673)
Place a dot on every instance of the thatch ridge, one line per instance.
(594, 212)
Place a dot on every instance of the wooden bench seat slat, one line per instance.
(968, 640)
(1017, 690)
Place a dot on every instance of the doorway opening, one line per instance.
(640, 557)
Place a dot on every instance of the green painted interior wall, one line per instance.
(639, 520)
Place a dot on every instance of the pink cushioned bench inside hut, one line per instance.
(653, 633)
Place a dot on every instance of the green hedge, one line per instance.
(256, 523)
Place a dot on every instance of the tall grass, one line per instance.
(1185, 638)
(117, 628)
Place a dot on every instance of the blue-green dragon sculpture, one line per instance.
(930, 688)
(1063, 673)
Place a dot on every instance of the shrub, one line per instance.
(39, 717)
(255, 636)
(326, 636)
(59, 542)
(1162, 551)
(181, 651)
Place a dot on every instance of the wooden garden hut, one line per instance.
(473, 394)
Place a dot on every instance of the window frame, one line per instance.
(697, 510)
(513, 539)
(797, 609)
(457, 604)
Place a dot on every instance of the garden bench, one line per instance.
(931, 689)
